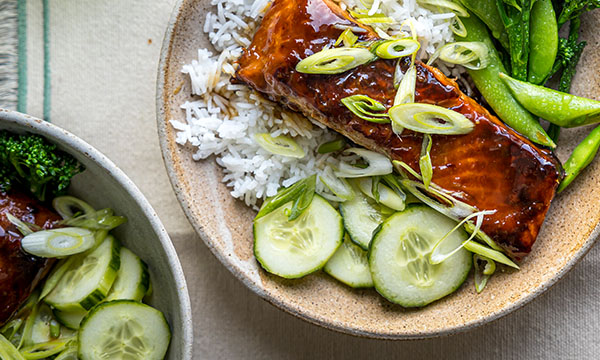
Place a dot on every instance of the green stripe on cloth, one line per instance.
(22, 67)
(47, 87)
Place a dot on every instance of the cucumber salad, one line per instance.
(379, 224)
(91, 305)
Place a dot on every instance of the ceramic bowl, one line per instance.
(225, 224)
(103, 185)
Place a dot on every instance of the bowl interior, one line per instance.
(225, 224)
(103, 185)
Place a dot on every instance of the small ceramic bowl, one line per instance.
(103, 185)
(225, 224)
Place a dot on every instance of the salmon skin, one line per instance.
(20, 272)
(491, 168)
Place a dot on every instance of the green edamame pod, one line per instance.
(543, 41)
(557, 107)
(581, 157)
(487, 11)
(496, 93)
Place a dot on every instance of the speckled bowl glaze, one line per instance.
(225, 224)
(104, 185)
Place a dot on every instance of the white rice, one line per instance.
(224, 117)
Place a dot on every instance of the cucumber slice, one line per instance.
(89, 279)
(133, 278)
(70, 319)
(292, 249)
(124, 329)
(350, 265)
(362, 216)
(399, 257)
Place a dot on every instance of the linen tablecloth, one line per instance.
(101, 61)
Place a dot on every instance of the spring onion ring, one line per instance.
(362, 16)
(335, 61)
(103, 219)
(482, 273)
(425, 161)
(292, 193)
(58, 242)
(279, 145)
(378, 165)
(366, 108)
(384, 195)
(393, 49)
(458, 28)
(430, 119)
(338, 186)
(68, 206)
(23, 227)
(446, 5)
(472, 55)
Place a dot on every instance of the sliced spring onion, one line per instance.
(103, 219)
(430, 119)
(482, 273)
(425, 161)
(338, 186)
(58, 242)
(331, 146)
(384, 194)
(435, 196)
(366, 108)
(406, 89)
(23, 227)
(11, 328)
(495, 255)
(335, 61)
(44, 350)
(393, 49)
(458, 28)
(8, 350)
(378, 165)
(285, 195)
(362, 16)
(470, 228)
(279, 145)
(437, 256)
(347, 38)
(69, 206)
(472, 55)
(391, 181)
(446, 5)
(304, 200)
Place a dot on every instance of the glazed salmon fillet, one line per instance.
(19, 271)
(490, 168)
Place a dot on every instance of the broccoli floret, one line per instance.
(572, 9)
(34, 163)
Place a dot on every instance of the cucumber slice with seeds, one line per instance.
(89, 279)
(361, 216)
(292, 249)
(350, 265)
(133, 278)
(399, 257)
(124, 329)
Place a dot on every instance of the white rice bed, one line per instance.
(224, 117)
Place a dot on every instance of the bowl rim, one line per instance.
(59, 135)
(186, 203)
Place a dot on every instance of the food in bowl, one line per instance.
(69, 289)
(413, 139)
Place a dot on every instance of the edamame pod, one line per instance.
(581, 157)
(497, 94)
(557, 107)
(487, 11)
(543, 41)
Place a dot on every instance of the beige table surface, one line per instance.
(104, 57)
